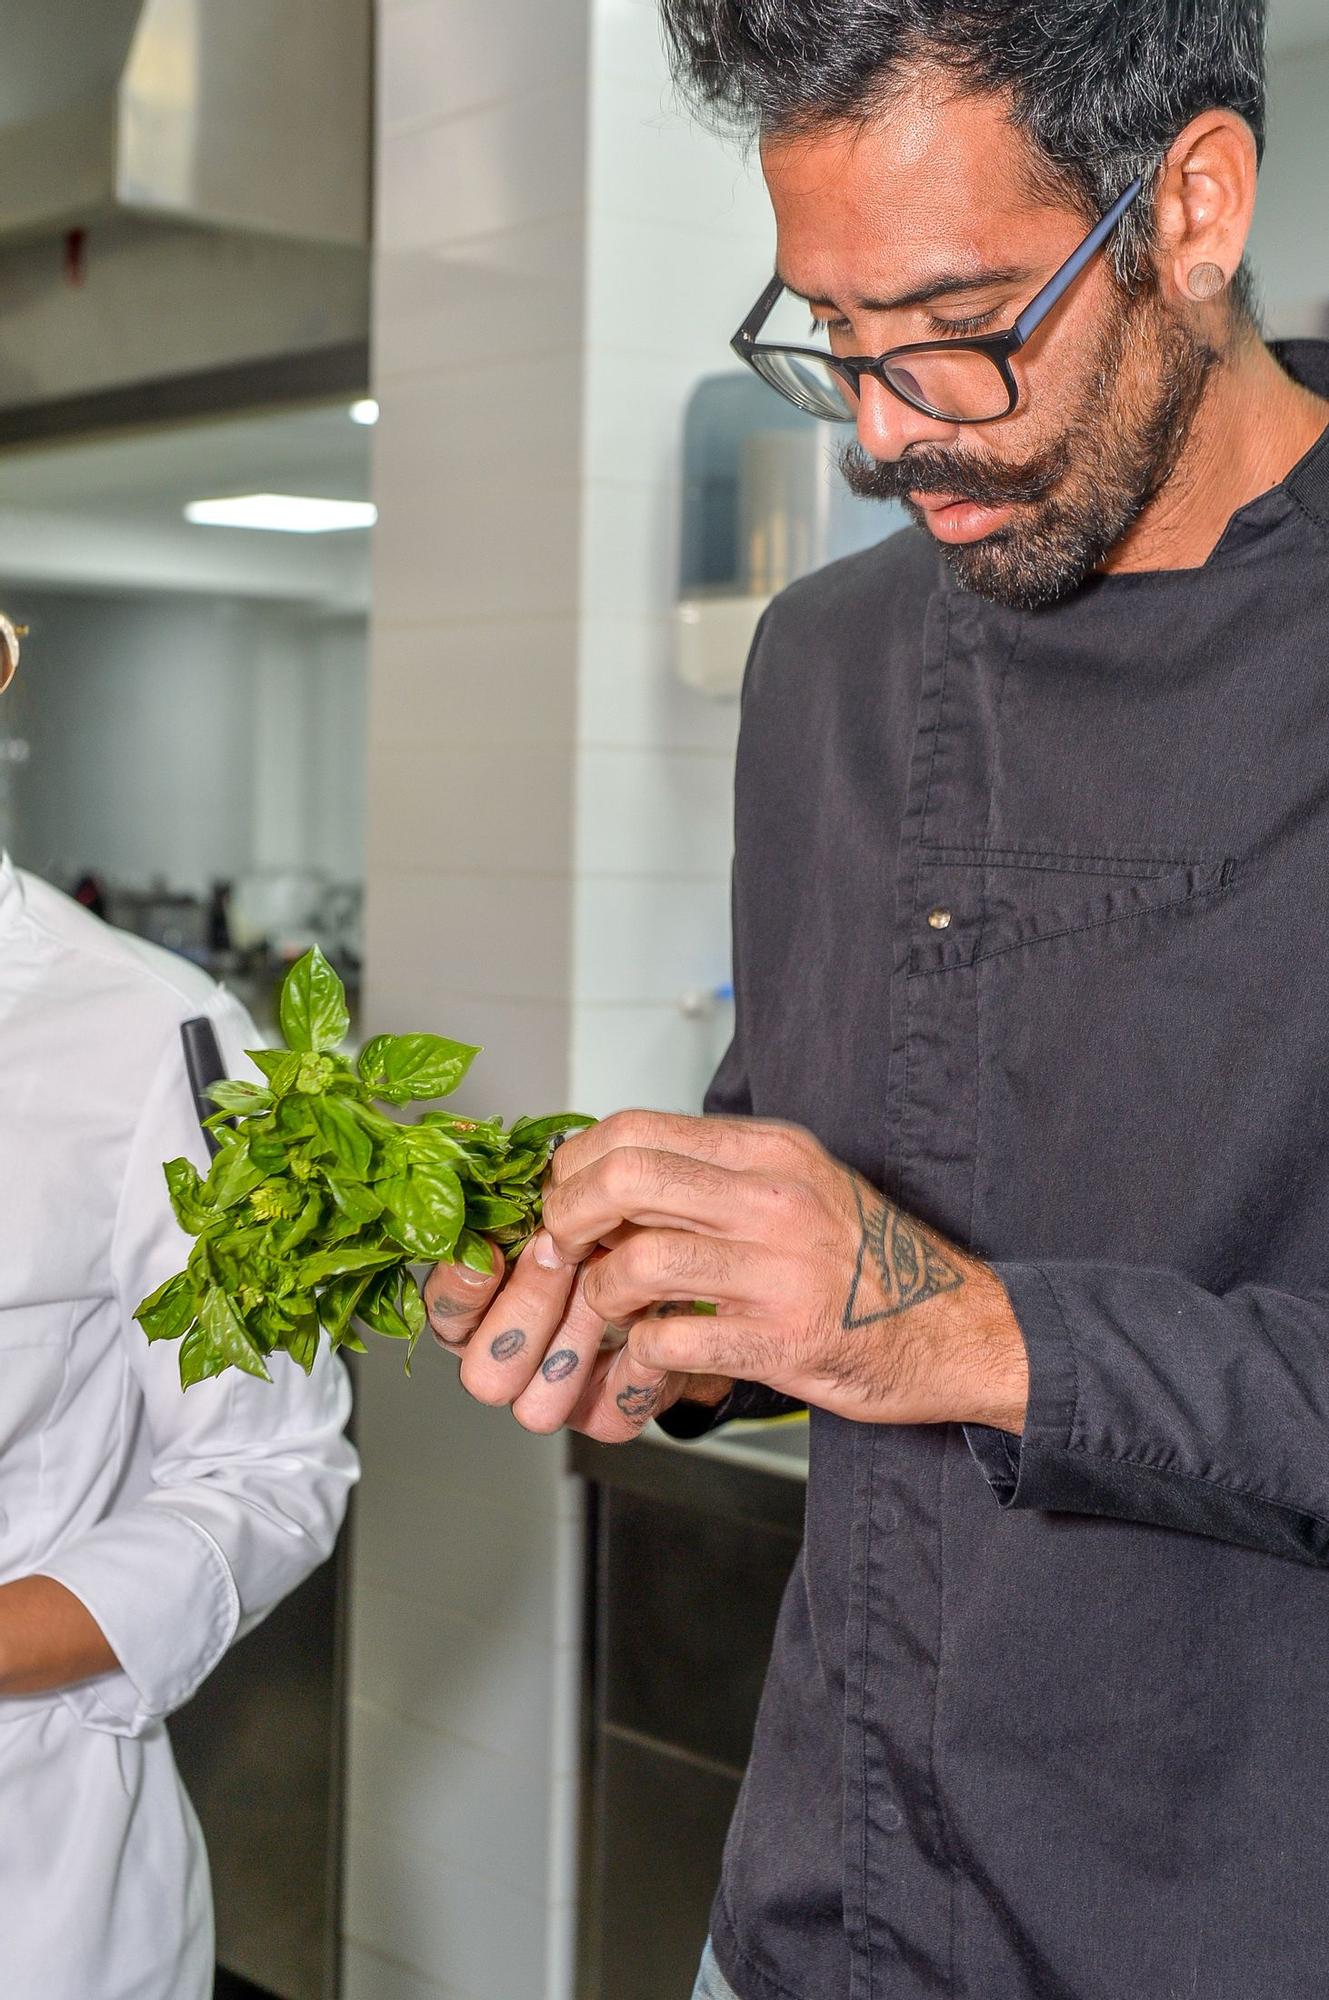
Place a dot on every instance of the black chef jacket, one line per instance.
(1048, 1718)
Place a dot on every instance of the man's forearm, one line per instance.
(48, 1638)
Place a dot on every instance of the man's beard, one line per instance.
(1077, 497)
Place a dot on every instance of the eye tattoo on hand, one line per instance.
(504, 1345)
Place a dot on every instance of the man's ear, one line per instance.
(1205, 203)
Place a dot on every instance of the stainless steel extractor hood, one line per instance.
(246, 115)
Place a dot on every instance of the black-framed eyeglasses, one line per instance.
(968, 380)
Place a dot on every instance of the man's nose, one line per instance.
(887, 426)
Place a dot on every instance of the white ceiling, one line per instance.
(318, 451)
(102, 512)
(1294, 23)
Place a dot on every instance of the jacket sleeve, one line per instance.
(1154, 1400)
(247, 1481)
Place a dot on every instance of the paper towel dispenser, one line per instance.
(764, 502)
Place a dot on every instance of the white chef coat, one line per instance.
(178, 1520)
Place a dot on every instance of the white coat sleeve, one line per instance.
(249, 1479)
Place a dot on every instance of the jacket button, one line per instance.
(940, 920)
(892, 1819)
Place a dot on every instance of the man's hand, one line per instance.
(529, 1338)
(822, 1288)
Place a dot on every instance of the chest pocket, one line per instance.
(1043, 1024)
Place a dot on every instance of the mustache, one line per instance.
(988, 483)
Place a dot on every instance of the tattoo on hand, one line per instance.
(504, 1345)
(898, 1265)
(638, 1401)
(557, 1367)
(445, 1308)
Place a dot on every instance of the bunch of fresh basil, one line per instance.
(318, 1202)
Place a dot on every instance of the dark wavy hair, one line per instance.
(1100, 87)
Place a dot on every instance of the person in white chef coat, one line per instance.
(142, 1529)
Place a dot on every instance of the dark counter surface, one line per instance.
(756, 1472)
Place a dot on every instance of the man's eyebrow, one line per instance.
(945, 285)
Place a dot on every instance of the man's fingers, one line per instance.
(622, 1398)
(657, 1264)
(559, 1383)
(641, 1185)
(509, 1345)
(457, 1298)
(724, 1142)
(699, 1344)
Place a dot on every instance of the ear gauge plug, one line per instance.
(1206, 281)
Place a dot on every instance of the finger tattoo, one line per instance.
(445, 1308)
(638, 1401)
(505, 1345)
(557, 1367)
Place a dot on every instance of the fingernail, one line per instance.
(473, 1278)
(545, 1252)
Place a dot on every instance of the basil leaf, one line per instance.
(279, 1066)
(474, 1252)
(234, 1175)
(337, 1262)
(543, 1131)
(357, 1203)
(401, 1068)
(338, 1300)
(199, 1358)
(171, 1310)
(191, 1200)
(313, 1009)
(245, 1098)
(265, 1148)
(302, 1341)
(227, 1335)
(378, 1307)
(291, 1234)
(412, 1308)
(485, 1213)
(425, 1210)
(428, 1146)
(341, 1135)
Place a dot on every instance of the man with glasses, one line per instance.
(1017, 1172)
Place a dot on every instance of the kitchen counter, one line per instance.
(690, 1549)
(751, 1471)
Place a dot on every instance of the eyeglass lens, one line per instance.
(959, 383)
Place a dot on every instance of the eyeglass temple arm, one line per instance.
(1061, 281)
(755, 320)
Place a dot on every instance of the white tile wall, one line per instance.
(649, 812)
(519, 291)
(437, 687)
(369, 1975)
(439, 59)
(561, 255)
(630, 695)
(497, 166)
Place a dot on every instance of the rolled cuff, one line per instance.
(746, 1400)
(1011, 1465)
(163, 1594)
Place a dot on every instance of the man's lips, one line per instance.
(955, 520)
